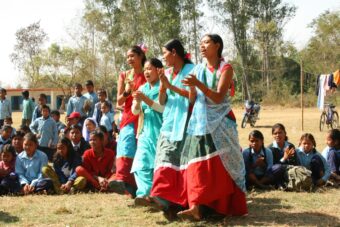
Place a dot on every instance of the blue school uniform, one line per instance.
(76, 104)
(250, 157)
(29, 168)
(315, 162)
(333, 159)
(47, 128)
(66, 170)
(5, 109)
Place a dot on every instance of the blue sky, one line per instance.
(57, 17)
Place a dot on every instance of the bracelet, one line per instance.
(126, 94)
(162, 90)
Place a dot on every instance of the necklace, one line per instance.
(213, 79)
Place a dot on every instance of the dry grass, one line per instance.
(273, 208)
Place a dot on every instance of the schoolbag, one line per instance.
(299, 179)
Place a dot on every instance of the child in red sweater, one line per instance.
(98, 163)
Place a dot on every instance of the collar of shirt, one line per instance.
(286, 144)
(257, 154)
(76, 145)
(24, 155)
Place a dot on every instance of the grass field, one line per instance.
(273, 208)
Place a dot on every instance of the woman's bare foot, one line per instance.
(192, 214)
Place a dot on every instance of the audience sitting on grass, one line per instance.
(89, 126)
(332, 154)
(18, 142)
(28, 166)
(78, 142)
(9, 121)
(63, 173)
(258, 161)
(98, 163)
(8, 179)
(310, 158)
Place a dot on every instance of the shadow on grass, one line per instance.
(5, 217)
(269, 211)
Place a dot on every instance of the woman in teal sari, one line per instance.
(167, 189)
(145, 104)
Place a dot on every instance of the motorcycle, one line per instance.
(251, 113)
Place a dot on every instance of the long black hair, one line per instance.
(280, 126)
(217, 39)
(138, 50)
(176, 45)
(70, 152)
(155, 62)
(334, 134)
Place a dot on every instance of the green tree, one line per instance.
(26, 55)
(238, 15)
(270, 17)
(322, 54)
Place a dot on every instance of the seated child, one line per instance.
(9, 121)
(332, 153)
(63, 174)
(55, 114)
(89, 126)
(283, 151)
(18, 142)
(5, 136)
(73, 119)
(28, 166)
(24, 129)
(9, 182)
(313, 160)
(258, 161)
(98, 163)
(46, 131)
(78, 142)
(109, 142)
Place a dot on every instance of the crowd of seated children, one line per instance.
(268, 166)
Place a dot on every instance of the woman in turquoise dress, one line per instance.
(146, 105)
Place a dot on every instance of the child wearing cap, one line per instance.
(5, 106)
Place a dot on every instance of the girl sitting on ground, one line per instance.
(8, 179)
(332, 153)
(90, 124)
(28, 166)
(313, 160)
(98, 163)
(258, 161)
(283, 151)
(63, 174)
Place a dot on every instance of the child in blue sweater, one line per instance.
(313, 160)
(332, 153)
(63, 173)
